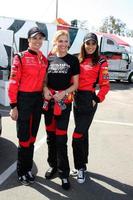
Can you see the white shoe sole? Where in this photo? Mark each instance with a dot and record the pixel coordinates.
(81, 180)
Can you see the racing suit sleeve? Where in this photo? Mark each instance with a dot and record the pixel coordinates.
(14, 81)
(103, 82)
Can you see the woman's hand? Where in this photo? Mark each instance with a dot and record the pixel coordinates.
(59, 95)
(47, 93)
(14, 114)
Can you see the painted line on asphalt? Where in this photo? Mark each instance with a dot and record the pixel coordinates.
(9, 171)
(109, 122)
(109, 187)
(112, 122)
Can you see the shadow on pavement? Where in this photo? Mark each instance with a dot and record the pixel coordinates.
(96, 187)
(92, 189)
(8, 153)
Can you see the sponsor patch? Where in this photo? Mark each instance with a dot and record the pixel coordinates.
(105, 76)
(104, 67)
(105, 72)
(12, 75)
(12, 81)
(105, 82)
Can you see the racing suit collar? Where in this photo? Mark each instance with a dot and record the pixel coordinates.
(32, 52)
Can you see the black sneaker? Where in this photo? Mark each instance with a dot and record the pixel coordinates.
(65, 183)
(50, 172)
(23, 180)
(81, 176)
(30, 177)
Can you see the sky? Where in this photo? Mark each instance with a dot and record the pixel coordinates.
(94, 11)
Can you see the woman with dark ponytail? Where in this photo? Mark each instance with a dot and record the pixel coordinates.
(93, 71)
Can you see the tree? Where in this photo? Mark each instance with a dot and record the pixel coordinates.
(129, 33)
(112, 25)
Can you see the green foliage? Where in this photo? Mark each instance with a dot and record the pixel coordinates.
(130, 33)
(110, 25)
(113, 25)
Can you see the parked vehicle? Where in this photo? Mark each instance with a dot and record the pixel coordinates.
(120, 64)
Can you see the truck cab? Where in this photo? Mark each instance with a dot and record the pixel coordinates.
(119, 62)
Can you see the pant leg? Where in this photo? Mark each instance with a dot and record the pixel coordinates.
(61, 142)
(31, 153)
(36, 115)
(24, 161)
(86, 147)
(27, 127)
(83, 115)
(50, 124)
(34, 126)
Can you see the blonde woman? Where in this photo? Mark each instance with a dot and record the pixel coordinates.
(62, 81)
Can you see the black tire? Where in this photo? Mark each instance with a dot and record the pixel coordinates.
(130, 79)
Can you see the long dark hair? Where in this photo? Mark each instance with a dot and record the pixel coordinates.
(95, 56)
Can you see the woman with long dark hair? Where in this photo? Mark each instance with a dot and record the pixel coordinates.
(93, 71)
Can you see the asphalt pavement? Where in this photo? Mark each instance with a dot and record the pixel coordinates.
(109, 173)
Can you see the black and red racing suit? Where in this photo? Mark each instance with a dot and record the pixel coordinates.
(25, 91)
(61, 70)
(84, 109)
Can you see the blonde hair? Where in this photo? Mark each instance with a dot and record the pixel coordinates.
(56, 38)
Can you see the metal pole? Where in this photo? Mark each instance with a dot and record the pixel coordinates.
(56, 9)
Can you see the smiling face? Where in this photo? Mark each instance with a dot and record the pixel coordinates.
(90, 46)
(62, 44)
(36, 42)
